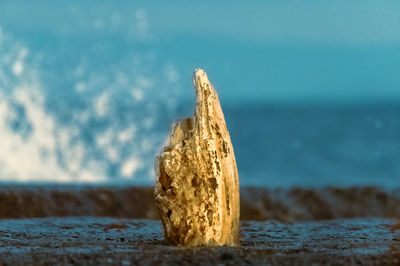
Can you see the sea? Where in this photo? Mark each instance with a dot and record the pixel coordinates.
(92, 102)
(89, 91)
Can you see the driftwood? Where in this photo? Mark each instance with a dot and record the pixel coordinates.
(197, 190)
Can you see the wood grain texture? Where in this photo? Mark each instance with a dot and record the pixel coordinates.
(197, 190)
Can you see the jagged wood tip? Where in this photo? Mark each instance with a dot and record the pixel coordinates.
(197, 186)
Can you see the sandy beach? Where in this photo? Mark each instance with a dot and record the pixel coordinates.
(92, 225)
(269, 128)
(295, 204)
(107, 241)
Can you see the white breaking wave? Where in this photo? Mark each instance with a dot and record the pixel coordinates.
(105, 128)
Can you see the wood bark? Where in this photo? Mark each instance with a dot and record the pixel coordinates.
(197, 186)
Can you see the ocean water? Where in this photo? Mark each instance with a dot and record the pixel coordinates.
(316, 145)
(78, 114)
(93, 101)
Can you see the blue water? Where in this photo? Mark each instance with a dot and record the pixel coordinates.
(317, 145)
(82, 112)
(91, 98)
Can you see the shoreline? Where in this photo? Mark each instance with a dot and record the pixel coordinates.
(256, 204)
(93, 225)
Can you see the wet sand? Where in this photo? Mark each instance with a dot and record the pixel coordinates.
(256, 204)
(105, 241)
(94, 225)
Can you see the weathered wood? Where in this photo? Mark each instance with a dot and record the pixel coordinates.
(197, 190)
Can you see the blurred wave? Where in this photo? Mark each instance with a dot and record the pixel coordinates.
(89, 91)
(78, 114)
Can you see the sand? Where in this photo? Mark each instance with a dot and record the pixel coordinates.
(256, 204)
(110, 241)
(67, 225)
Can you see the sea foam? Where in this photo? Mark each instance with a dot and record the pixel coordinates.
(91, 118)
